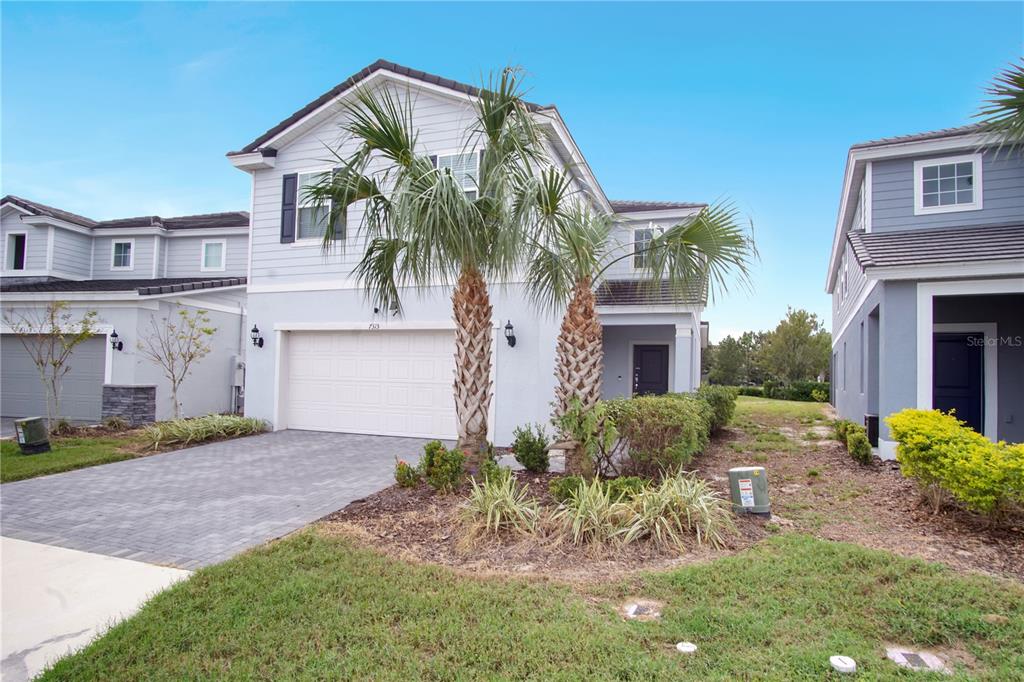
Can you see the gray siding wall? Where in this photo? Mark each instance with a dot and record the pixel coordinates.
(893, 194)
(72, 253)
(856, 283)
(851, 375)
(35, 242)
(142, 258)
(1007, 312)
(183, 256)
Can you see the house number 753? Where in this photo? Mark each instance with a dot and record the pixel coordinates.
(374, 325)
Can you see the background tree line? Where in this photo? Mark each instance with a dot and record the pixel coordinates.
(798, 349)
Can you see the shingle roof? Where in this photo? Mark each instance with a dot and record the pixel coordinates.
(186, 222)
(630, 206)
(144, 287)
(379, 65)
(637, 292)
(921, 137)
(49, 211)
(947, 245)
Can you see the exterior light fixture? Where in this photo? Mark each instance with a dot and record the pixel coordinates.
(257, 340)
(115, 342)
(510, 334)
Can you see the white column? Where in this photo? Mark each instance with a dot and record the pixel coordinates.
(683, 370)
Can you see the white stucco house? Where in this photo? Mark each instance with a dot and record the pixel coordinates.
(130, 271)
(330, 361)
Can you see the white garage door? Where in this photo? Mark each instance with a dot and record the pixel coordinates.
(396, 383)
(22, 393)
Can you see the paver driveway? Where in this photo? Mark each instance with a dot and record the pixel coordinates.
(202, 505)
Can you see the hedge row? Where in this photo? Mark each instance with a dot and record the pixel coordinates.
(803, 391)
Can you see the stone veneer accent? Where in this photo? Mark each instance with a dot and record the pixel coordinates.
(134, 404)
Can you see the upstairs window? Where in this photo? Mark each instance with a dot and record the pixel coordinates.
(121, 258)
(465, 168)
(947, 185)
(312, 220)
(16, 251)
(642, 238)
(213, 255)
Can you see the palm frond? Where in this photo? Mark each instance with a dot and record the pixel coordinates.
(380, 269)
(1003, 112)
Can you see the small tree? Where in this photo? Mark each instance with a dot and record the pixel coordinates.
(50, 335)
(729, 360)
(175, 344)
(800, 347)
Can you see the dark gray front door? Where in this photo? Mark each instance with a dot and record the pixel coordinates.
(650, 370)
(958, 377)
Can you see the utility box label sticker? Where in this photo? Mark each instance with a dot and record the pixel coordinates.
(746, 492)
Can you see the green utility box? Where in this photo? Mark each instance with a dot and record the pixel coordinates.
(748, 487)
(32, 434)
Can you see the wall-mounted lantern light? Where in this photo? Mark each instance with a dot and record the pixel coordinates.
(510, 334)
(257, 340)
(115, 342)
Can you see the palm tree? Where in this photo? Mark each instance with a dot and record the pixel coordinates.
(424, 227)
(1003, 113)
(574, 249)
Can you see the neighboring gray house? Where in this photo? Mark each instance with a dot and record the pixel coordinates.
(332, 362)
(927, 282)
(128, 271)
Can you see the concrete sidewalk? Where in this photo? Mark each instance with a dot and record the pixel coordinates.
(55, 601)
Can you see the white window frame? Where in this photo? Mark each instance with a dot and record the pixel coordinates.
(300, 204)
(844, 284)
(921, 164)
(8, 264)
(656, 231)
(223, 255)
(462, 152)
(131, 255)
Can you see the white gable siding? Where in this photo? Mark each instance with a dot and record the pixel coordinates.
(35, 242)
(622, 238)
(72, 252)
(184, 256)
(142, 258)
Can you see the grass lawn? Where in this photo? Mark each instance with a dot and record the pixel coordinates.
(773, 412)
(66, 454)
(314, 607)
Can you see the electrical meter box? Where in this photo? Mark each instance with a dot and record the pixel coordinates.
(748, 487)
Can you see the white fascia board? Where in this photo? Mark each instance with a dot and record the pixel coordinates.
(668, 213)
(252, 161)
(106, 296)
(46, 221)
(855, 163)
(1012, 268)
(562, 134)
(206, 232)
(15, 207)
(627, 309)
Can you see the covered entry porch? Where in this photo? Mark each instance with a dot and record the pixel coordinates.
(650, 352)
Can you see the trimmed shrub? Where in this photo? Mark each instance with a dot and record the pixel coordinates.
(116, 423)
(722, 400)
(940, 451)
(624, 488)
(659, 433)
(530, 448)
(500, 504)
(443, 469)
(858, 445)
(819, 396)
(595, 433)
(563, 487)
(406, 475)
(753, 391)
(841, 428)
(199, 429)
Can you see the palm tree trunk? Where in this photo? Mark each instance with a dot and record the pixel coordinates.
(473, 337)
(579, 360)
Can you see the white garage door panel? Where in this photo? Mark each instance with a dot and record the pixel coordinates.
(396, 383)
(22, 393)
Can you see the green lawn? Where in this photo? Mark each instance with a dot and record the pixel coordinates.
(767, 410)
(313, 607)
(66, 454)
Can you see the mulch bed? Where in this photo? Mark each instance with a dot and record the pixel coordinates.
(873, 506)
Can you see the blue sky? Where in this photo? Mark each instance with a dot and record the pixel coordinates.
(112, 110)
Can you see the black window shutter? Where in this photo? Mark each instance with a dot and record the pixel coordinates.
(433, 161)
(289, 194)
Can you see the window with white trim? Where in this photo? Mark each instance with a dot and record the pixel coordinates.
(16, 250)
(642, 238)
(312, 220)
(948, 184)
(214, 252)
(121, 256)
(465, 168)
(844, 279)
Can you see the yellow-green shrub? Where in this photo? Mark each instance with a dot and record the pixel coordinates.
(940, 451)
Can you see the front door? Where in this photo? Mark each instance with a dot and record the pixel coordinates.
(958, 377)
(650, 370)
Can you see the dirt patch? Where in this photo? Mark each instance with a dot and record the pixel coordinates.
(815, 488)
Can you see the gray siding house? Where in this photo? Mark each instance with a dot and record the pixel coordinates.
(332, 362)
(130, 271)
(927, 281)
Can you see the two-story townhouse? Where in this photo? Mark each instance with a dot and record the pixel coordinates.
(333, 362)
(927, 282)
(130, 271)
